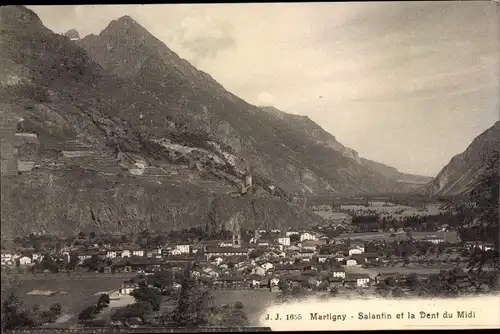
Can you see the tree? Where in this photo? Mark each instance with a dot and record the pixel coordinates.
(193, 307)
(390, 281)
(162, 280)
(92, 264)
(56, 308)
(334, 291)
(103, 301)
(146, 294)
(413, 282)
(48, 263)
(382, 289)
(14, 316)
(294, 238)
(87, 314)
(132, 312)
(237, 318)
(48, 317)
(397, 292)
(284, 286)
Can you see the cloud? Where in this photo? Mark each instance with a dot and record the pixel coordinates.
(205, 37)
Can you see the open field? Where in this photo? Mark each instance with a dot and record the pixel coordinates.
(397, 211)
(393, 270)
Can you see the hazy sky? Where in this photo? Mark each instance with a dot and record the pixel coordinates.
(409, 84)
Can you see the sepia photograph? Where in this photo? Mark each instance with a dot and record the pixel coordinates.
(250, 166)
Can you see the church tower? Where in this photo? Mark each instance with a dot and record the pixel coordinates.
(248, 180)
(236, 239)
(235, 229)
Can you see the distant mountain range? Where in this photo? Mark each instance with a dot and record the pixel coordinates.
(462, 172)
(131, 136)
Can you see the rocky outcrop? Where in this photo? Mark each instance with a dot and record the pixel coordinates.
(458, 177)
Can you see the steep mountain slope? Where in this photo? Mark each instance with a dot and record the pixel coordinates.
(103, 152)
(304, 126)
(294, 162)
(458, 177)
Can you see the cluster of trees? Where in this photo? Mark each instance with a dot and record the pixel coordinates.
(15, 315)
(194, 303)
(447, 283)
(88, 314)
(292, 290)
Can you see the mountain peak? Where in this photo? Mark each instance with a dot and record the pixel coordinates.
(18, 17)
(126, 20)
(126, 23)
(72, 34)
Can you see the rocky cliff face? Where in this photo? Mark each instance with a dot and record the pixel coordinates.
(458, 177)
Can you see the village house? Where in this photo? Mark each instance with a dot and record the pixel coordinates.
(433, 239)
(334, 282)
(351, 262)
(230, 281)
(111, 254)
(266, 265)
(290, 233)
(398, 278)
(356, 250)
(307, 236)
(138, 252)
(225, 251)
(366, 258)
(254, 281)
(127, 288)
(227, 243)
(305, 254)
(25, 260)
(258, 270)
(83, 256)
(285, 241)
(273, 282)
(338, 272)
(323, 258)
(340, 256)
(126, 253)
(264, 243)
(66, 255)
(7, 258)
(237, 260)
(357, 280)
(371, 257)
(312, 244)
(210, 272)
(216, 260)
(36, 257)
(482, 245)
(153, 253)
